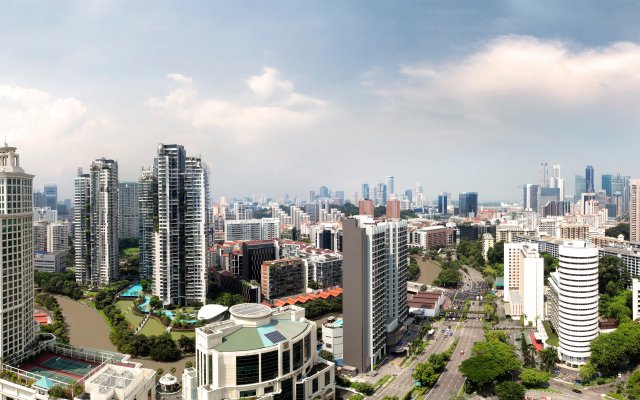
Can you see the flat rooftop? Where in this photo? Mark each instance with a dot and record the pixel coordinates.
(252, 338)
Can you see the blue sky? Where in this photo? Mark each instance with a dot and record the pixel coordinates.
(287, 96)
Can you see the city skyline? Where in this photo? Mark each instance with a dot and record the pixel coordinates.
(235, 85)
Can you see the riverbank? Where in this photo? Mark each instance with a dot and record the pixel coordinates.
(87, 328)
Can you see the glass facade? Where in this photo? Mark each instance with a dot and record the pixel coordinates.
(297, 355)
(269, 365)
(286, 361)
(247, 369)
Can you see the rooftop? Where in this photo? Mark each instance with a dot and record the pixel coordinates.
(252, 338)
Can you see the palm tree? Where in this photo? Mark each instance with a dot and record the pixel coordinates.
(549, 357)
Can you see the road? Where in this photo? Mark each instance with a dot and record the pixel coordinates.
(451, 379)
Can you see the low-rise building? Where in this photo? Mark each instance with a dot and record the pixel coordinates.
(426, 304)
(332, 339)
(284, 277)
(262, 353)
(49, 262)
(508, 233)
(434, 237)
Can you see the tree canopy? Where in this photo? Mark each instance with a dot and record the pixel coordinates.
(491, 360)
(612, 275)
(495, 255)
(510, 391)
(620, 229)
(531, 377)
(611, 352)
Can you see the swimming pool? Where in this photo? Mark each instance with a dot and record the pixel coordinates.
(144, 307)
(133, 291)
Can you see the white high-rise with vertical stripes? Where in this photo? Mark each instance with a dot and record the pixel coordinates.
(17, 325)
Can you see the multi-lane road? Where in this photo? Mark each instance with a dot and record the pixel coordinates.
(450, 380)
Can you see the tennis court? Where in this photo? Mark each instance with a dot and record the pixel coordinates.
(61, 368)
(74, 367)
(52, 374)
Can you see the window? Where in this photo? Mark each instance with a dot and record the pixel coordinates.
(247, 393)
(307, 347)
(286, 361)
(269, 363)
(247, 369)
(314, 385)
(297, 355)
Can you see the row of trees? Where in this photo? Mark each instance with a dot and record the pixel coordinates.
(107, 295)
(63, 283)
(57, 327)
(318, 308)
(414, 269)
(427, 373)
(159, 348)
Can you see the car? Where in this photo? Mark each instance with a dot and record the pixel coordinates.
(461, 352)
(619, 375)
(451, 334)
(576, 390)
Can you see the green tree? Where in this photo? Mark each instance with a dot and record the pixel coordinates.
(548, 358)
(510, 391)
(379, 211)
(188, 364)
(326, 355)
(495, 255)
(550, 264)
(531, 377)
(425, 374)
(587, 372)
(612, 275)
(620, 229)
(490, 361)
(497, 335)
(632, 388)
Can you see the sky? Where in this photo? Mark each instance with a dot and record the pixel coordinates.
(285, 96)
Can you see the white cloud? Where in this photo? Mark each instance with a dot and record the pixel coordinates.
(54, 135)
(514, 72)
(272, 104)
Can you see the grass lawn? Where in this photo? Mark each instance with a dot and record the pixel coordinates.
(153, 327)
(553, 338)
(131, 251)
(125, 307)
(176, 335)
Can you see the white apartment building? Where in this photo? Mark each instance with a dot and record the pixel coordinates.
(260, 352)
(129, 210)
(524, 282)
(45, 214)
(634, 210)
(58, 236)
(573, 301)
(252, 229)
(17, 327)
(40, 236)
(487, 243)
(49, 262)
(324, 268)
(630, 257)
(508, 233)
(180, 238)
(149, 224)
(635, 298)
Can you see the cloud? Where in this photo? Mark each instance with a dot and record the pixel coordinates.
(54, 135)
(512, 72)
(272, 104)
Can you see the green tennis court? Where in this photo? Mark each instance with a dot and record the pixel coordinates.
(53, 375)
(74, 367)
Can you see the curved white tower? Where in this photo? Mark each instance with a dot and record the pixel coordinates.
(576, 289)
